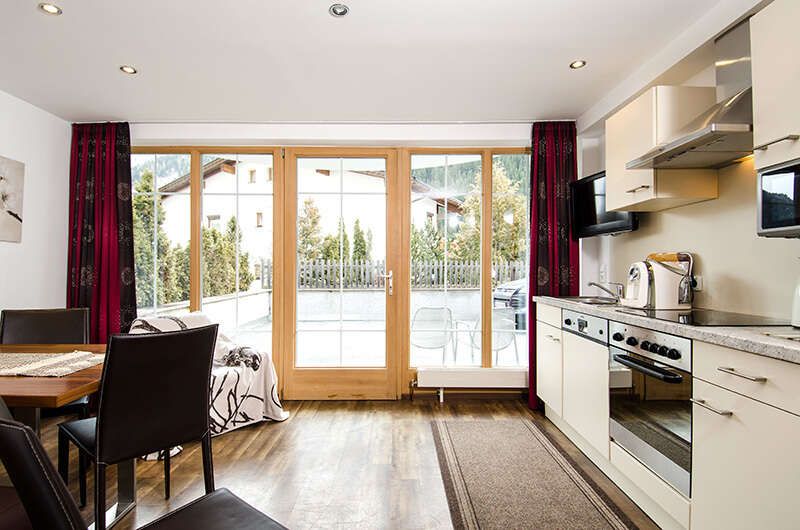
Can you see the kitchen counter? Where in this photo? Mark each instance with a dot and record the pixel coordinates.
(749, 339)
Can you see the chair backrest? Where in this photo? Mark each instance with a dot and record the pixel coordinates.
(44, 326)
(154, 392)
(431, 327)
(41, 490)
(504, 327)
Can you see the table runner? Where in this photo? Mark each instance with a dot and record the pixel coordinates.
(47, 364)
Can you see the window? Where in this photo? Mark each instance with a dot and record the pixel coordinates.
(236, 260)
(445, 260)
(161, 232)
(510, 244)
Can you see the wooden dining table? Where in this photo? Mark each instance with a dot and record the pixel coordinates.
(26, 396)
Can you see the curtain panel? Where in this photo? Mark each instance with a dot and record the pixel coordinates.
(100, 269)
(554, 252)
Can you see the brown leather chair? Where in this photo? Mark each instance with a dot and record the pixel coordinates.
(154, 394)
(50, 506)
(44, 326)
(48, 326)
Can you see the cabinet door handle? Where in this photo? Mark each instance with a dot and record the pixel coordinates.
(732, 371)
(637, 188)
(553, 338)
(702, 403)
(765, 146)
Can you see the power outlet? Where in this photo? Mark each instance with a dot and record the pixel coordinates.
(603, 273)
(698, 283)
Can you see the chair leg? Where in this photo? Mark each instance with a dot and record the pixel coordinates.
(63, 456)
(99, 496)
(208, 463)
(167, 451)
(82, 464)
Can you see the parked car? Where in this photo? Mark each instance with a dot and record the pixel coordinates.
(513, 294)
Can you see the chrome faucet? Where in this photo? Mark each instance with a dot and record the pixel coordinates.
(616, 295)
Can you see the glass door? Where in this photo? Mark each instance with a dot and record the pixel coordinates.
(341, 275)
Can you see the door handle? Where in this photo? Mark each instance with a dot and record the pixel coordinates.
(702, 403)
(637, 188)
(389, 281)
(765, 146)
(733, 371)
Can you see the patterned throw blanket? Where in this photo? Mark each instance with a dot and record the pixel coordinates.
(243, 381)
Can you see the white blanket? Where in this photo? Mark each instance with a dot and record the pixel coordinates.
(243, 381)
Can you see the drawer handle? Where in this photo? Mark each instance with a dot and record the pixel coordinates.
(732, 371)
(637, 188)
(765, 146)
(702, 403)
(553, 338)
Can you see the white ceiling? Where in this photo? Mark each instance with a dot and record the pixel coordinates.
(288, 60)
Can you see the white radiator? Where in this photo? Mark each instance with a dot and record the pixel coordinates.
(455, 377)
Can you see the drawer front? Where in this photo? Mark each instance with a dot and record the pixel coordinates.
(549, 365)
(548, 314)
(776, 381)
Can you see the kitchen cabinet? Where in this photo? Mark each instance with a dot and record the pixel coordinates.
(744, 462)
(585, 393)
(653, 119)
(549, 365)
(776, 108)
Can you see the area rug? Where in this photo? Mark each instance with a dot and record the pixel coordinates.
(47, 364)
(509, 474)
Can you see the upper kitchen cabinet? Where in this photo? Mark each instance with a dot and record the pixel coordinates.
(653, 119)
(776, 71)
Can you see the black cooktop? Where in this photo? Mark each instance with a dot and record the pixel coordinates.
(705, 317)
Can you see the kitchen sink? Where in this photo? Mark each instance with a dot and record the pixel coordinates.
(592, 300)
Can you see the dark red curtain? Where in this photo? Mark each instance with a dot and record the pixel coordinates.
(554, 253)
(100, 273)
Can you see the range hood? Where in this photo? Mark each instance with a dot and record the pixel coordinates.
(724, 132)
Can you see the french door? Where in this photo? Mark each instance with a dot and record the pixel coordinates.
(342, 278)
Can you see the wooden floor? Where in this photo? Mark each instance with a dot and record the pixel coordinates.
(354, 464)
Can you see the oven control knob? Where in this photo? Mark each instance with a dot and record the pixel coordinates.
(654, 347)
(674, 354)
(568, 322)
(663, 350)
(632, 341)
(645, 345)
(617, 336)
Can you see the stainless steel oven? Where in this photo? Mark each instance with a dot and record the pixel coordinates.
(650, 394)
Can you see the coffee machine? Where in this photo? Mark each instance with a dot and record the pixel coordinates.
(663, 280)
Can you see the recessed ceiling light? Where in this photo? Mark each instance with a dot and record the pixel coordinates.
(128, 69)
(338, 10)
(580, 63)
(49, 9)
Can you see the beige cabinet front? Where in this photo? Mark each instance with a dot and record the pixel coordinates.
(745, 463)
(653, 119)
(549, 365)
(585, 401)
(776, 71)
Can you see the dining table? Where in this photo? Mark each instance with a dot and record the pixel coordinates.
(26, 396)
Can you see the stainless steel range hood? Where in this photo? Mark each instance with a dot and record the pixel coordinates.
(724, 132)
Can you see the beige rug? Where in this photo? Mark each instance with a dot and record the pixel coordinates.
(509, 474)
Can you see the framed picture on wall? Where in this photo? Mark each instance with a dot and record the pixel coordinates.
(12, 177)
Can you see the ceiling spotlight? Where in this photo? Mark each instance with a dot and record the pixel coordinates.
(49, 9)
(128, 69)
(580, 63)
(338, 10)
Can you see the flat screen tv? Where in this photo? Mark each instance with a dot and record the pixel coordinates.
(589, 215)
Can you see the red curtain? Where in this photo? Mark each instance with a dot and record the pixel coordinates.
(554, 253)
(100, 270)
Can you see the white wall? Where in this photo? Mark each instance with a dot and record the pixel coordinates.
(33, 273)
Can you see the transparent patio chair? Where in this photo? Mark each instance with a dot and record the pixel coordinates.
(431, 329)
(504, 329)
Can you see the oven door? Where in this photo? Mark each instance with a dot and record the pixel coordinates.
(651, 416)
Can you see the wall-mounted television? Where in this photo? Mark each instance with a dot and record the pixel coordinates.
(589, 215)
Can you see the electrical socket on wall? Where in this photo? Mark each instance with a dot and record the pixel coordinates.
(698, 283)
(603, 277)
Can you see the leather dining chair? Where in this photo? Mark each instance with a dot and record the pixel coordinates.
(50, 506)
(48, 326)
(154, 394)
